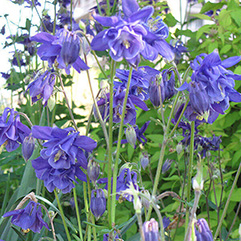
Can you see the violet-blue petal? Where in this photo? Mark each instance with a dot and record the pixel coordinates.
(229, 62)
(106, 21)
(130, 7)
(41, 132)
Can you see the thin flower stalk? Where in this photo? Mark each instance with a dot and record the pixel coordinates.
(102, 123)
(113, 206)
(227, 202)
(113, 66)
(77, 214)
(190, 164)
(62, 215)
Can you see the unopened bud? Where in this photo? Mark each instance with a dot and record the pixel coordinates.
(144, 159)
(28, 147)
(145, 198)
(197, 182)
(131, 135)
(93, 170)
(166, 166)
(97, 203)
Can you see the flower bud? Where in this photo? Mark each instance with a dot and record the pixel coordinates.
(93, 170)
(70, 49)
(166, 166)
(145, 201)
(144, 160)
(131, 135)
(203, 233)
(97, 203)
(197, 181)
(151, 230)
(28, 147)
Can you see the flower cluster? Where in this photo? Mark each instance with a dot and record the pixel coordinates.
(63, 154)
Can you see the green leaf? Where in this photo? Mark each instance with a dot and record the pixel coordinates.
(170, 20)
(212, 46)
(236, 16)
(204, 29)
(225, 49)
(201, 16)
(211, 6)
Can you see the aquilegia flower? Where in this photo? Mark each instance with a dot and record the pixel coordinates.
(203, 232)
(42, 87)
(54, 48)
(63, 154)
(28, 218)
(216, 86)
(12, 131)
(97, 203)
(131, 36)
(163, 89)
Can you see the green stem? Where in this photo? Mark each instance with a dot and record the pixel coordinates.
(113, 206)
(67, 102)
(86, 207)
(162, 153)
(62, 215)
(77, 214)
(227, 202)
(179, 118)
(71, 14)
(91, 215)
(194, 209)
(102, 123)
(109, 166)
(108, 7)
(190, 164)
(55, 19)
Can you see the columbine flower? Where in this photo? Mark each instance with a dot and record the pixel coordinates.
(140, 80)
(210, 73)
(51, 49)
(130, 36)
(65, 151)
(151, 230)
(42, 87)
(124, 179)
(162, 90)
(98, 203)
(203, 232)
(12, 131)
(28, 218)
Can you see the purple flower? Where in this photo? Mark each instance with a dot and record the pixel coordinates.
(144, 159)
(210, 73)
(28, 44)
(116, 237)
(12, 131)
(130, 36)
(163, 89)
(93, 170)
(124, 180)
(28, 218)
(97, 203)
(42, 87)
(151, 230)
(51, 49)
(203, 233)
(140, 79)
(63, 154)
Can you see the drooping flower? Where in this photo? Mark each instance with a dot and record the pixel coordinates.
(116, 237)
(140, 80)
(151, 230)
(42, 87)
(163, 89)
(210, 72)
(125, 178)
(203, 233)
(63, 154)
(98, 203)
(144, 159)
(28, 218)
(12, 131)
(51, 49)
